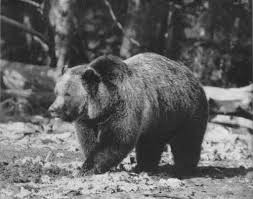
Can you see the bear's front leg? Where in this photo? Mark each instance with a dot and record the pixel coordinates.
(108, 157)
(88, 141)
(104, 149)
(88, 165)
(114, 147)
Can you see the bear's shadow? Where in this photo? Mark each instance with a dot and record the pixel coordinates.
(214, 172)
(206, 171)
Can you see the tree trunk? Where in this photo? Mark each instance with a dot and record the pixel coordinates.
(65, 17)
(146, 23)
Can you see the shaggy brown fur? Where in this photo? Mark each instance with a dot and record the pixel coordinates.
(146, 101)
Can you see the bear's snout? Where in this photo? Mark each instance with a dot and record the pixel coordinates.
(54, 111)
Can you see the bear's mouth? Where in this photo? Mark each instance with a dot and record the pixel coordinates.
(68, 117)
(54, 114)
(62, 116)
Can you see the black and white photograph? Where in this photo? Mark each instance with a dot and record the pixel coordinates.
(126, 99)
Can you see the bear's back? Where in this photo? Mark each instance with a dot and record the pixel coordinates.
(154, 67)
(170, 85)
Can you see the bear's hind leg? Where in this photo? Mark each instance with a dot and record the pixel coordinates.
(148, 153)
(186, 148)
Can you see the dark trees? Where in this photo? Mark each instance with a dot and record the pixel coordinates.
(213, 37)
(146, 23)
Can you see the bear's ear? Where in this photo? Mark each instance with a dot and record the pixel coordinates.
(110, 68)
(90, 76)
(91, 79)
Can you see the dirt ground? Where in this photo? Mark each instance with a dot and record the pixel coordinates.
(39, 159)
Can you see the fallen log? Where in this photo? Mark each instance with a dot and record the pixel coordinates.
(234, 122)
(16, 75)
(231, 101)
(26, 83)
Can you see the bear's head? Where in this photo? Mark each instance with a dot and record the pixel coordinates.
(88, 91)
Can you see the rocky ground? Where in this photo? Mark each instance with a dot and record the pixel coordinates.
(39, 159)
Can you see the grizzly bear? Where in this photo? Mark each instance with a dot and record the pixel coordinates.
(146, 101)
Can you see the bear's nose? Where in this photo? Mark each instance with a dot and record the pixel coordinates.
(53, 111)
